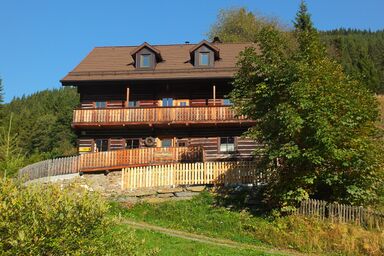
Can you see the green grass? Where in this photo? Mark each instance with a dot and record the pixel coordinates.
(168, 245)
(197, 216)
(202, 215)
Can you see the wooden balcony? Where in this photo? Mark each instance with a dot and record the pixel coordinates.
(157, 116)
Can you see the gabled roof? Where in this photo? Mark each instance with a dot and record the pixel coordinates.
(117, 63)
(148, 46)
(209, 45)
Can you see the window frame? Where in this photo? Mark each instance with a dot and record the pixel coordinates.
(132, 139)
(205, 54)
(167, 101)
(145, 56)
(96, 148)
(227, 151)
(133, 103)
(166, 139)
(197, 55)
(104, 102)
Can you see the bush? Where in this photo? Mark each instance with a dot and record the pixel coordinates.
(49, 220)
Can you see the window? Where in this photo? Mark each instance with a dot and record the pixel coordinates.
(167, 102)
(132, 143)
(227, 144)
(182, 103)
(181, 144)
(166, 143)
(133, 103)
(227, 102)
(204, 58)
(145, 60)
(101, 145)
(101, 104)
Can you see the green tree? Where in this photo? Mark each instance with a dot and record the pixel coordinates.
(11, 157)
(317, 124)
(43, 122)
(360, 52)
(240, 25)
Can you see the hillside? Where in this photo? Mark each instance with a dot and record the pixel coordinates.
(360, 52)
(43, 122)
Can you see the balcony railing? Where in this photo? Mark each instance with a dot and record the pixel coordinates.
(156, 115)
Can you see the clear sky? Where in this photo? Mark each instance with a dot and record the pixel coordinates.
(42, 40)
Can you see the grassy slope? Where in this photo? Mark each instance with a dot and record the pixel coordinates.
(167, 245)
(196, 216)
(201, 216)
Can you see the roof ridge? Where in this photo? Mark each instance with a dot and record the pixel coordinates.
(154, 45)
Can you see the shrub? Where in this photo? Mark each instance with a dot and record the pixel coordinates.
(49, 220)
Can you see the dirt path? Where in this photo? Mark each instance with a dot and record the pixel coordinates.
(205, 239)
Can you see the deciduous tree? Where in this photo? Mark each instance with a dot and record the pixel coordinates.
(318, 125)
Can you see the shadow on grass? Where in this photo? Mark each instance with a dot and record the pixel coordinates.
(239, 198)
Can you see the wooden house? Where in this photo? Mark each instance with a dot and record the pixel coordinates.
(160, 96)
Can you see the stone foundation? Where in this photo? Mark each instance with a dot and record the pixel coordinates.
(110, 186)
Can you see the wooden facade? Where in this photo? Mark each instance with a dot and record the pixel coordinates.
(177, 99)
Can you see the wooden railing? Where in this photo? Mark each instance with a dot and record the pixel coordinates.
(110, 160)
(342, 213)
(141, 156)
(156, 115)
(48, 168)
(192, 174)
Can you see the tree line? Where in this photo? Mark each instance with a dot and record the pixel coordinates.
(36, 127)
(360, 52)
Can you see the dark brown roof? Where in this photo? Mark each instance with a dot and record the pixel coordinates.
(116, 63)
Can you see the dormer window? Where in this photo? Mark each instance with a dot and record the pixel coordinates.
(204, 55)
(146, 57)
(145, 60)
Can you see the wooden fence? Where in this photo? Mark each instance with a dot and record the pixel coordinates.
(342, 213)
(110, 160)
(192, 174)
(52, 167)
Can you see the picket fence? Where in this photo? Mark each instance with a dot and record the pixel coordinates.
(192, 174)
(342, 213)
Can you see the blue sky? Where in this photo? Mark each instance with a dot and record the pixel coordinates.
(42, 40)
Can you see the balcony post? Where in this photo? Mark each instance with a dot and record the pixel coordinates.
(127, 101)
(214, 102)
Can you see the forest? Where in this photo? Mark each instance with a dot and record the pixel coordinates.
(41, 122)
